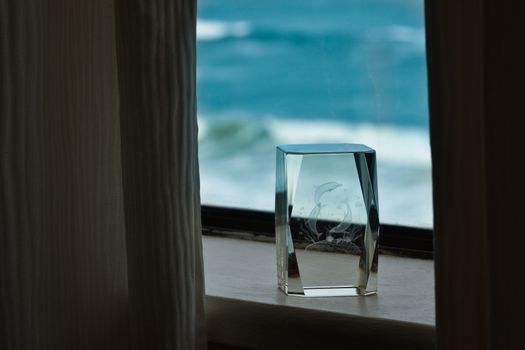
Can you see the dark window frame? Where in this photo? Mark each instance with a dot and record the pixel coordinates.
(397, 239)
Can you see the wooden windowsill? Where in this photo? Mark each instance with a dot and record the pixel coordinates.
(245, 308)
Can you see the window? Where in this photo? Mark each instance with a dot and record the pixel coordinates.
(311, 71)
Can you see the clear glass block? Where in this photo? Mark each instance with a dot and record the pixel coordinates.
(326, 220)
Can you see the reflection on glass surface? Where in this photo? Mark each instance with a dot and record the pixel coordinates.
(276, 72)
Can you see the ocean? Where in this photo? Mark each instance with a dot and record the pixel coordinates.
(275, 72)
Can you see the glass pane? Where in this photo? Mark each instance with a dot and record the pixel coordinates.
(273, 72)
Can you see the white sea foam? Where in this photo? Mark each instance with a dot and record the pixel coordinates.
(208, 30)
(237, 173)
(404, 146)
(395, 145)
(412, 35)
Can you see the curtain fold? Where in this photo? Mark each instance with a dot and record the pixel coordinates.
(475, 53)
(156, 62)
(99, 191)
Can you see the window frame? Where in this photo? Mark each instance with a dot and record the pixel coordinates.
(226, 221)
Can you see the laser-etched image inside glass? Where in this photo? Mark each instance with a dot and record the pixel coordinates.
(327, 222)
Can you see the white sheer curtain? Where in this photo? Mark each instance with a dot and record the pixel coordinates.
(100, 242)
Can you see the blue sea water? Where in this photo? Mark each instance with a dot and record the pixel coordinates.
(273, 72)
